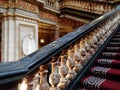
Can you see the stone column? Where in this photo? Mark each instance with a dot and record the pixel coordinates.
(56, 32)
(8, 39)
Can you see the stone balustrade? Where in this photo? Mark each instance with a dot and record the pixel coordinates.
(63, 67)
(52, 5)
(88, 6)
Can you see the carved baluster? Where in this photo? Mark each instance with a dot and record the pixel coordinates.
(54, 76)
(43, 78)
(82, 52)
(36, 82)
(95, 41)
(63, 70)
(100, 36)
(87, 48)
(70, 65)
(24, 84)
(92, 45)
(78, 65)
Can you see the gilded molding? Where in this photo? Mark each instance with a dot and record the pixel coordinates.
(75, 18)
(20, 18)
(3, 3)
(25, 19)
(27, 6)
(24, 13)
(3, 10)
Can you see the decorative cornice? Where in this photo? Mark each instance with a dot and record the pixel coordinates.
(26, 14)
(19, 18)
(48, 21)
(79, 13)
(3, 10)
(75, 18)
(25, 19)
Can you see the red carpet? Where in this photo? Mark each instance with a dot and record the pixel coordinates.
(105, 72)
(108, 63)
(110, 85)
(96, 83)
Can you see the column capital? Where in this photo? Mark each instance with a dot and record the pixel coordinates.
(57, 27)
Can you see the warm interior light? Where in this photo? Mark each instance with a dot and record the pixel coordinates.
(23, 85)
(37, 88)
(42, 41)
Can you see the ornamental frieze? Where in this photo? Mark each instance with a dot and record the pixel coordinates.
(27, 6)
(48, 16)
(3, 3)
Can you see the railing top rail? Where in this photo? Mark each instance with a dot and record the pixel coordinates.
(12, 71)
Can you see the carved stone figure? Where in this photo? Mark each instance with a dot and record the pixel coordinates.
(28, 44)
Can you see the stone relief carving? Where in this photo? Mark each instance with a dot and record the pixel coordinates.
(28, 44)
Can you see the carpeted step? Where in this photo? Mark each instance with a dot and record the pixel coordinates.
(82, 89)
(96, 83)
(115, 39)
(112, 49)
(104, 72)
(114, 44)
(108, 63)
(110, 55)
(117, 35)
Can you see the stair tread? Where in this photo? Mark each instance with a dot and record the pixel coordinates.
(106, 72)
(109, 63)
(113, 53)
(95, 83)
(113, 49)
(82, 89)
(110, 55)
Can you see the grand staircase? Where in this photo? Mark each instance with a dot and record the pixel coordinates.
(85, 59)
(104, 74)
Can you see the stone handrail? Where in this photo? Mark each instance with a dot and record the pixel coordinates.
(55, 65)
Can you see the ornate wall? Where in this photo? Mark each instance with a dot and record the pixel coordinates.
(18, 20)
